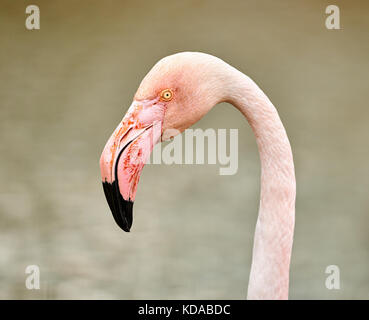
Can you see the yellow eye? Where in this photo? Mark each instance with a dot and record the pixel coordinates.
(166, 95)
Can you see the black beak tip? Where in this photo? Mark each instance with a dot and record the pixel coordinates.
(121, 209)
(125, 228)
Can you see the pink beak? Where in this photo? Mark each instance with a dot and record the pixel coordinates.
(125, 155)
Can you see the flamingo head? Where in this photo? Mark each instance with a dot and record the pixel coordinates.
(175, 94)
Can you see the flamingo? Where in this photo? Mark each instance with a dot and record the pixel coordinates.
(177, 92)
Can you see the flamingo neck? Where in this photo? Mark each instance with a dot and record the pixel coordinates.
(269, 276)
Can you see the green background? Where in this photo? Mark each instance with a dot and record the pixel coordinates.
(65, 87)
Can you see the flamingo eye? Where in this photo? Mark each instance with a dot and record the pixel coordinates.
(166, 95)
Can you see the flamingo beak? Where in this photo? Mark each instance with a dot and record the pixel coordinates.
(120, 208)
(124, 157)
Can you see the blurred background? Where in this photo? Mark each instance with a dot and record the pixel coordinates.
(65, 87)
